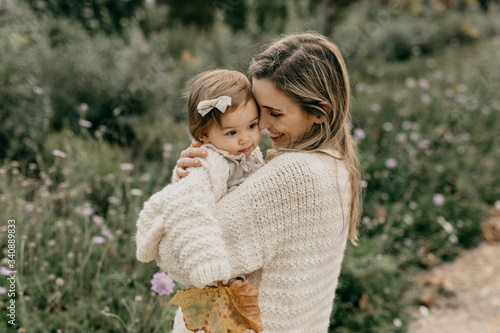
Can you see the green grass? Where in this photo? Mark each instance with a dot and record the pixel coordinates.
(426, 126)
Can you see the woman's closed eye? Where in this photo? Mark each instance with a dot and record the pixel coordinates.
(274, 114)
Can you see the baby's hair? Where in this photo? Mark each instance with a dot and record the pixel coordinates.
(210, 85)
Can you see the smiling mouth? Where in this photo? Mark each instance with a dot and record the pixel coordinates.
(245, 150)
(275, 135)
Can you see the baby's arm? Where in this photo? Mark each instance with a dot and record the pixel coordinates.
(177, 227)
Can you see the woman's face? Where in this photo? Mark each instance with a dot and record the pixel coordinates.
(280, 115)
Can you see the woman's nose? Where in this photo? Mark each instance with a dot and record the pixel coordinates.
(264, 121)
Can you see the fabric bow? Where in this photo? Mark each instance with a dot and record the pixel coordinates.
(221, 103)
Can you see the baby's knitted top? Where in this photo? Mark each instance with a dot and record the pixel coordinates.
(185, 210)
(285, 228)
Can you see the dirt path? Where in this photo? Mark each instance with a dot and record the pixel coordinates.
(462, 296)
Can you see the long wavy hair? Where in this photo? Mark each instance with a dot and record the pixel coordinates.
(310, 70)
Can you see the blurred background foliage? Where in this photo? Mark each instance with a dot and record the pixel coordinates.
(93, 120)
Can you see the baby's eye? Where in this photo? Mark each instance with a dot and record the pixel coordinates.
(231, 133)
(252, 126)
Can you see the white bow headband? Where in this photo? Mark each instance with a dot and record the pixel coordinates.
(221, 103)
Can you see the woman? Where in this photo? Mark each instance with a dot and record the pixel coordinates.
(285, 227)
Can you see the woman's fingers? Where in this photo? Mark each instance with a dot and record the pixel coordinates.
(181, 173)
(188, 159)
(195, 143)
(193, 152)
(187, 162)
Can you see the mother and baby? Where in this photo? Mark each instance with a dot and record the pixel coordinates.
(282, 224)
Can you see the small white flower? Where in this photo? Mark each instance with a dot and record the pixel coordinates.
(424, 84)
(58, 153)
(410, 82)
(375, 107)
(424, 311)
(388, 126)
(135, 192)
(37, 90)
(426, 99)
(146, 177)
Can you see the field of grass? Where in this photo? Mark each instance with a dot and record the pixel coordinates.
(427, 129)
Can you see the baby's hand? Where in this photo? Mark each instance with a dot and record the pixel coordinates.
(187, 159)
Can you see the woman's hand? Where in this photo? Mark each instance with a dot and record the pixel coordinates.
(187, 159)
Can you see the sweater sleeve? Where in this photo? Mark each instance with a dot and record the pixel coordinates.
(176, 227)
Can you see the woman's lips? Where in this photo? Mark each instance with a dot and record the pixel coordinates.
(276, 137)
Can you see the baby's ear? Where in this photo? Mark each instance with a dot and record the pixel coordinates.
(204, 138)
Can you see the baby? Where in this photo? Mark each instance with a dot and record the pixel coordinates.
(222, 113)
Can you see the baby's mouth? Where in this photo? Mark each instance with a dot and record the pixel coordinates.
(245, 150)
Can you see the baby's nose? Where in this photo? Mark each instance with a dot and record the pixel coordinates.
(244, 138)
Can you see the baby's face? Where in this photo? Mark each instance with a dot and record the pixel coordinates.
(239, 132)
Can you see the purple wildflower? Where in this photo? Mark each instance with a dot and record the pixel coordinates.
(4, 271)
(37, 90)
(97, 219)
(401, 137)
(146, 177)
(162, 284)
(113, 200)
(391, 163)
(438, 199)
(359, 134)
(3, 290)
(126, 166)
(168, 147)
(85, 123)
(108, 233)
(98, 240)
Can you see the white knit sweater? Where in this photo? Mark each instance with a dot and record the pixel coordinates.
(184, 210)
(285, 228)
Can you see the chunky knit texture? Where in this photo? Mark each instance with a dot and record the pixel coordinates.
(285, 229)
(185, 210)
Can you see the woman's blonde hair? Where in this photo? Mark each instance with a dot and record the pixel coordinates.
(210, 85)
(311, 71)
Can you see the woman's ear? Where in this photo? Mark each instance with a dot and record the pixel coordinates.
(325, 106)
